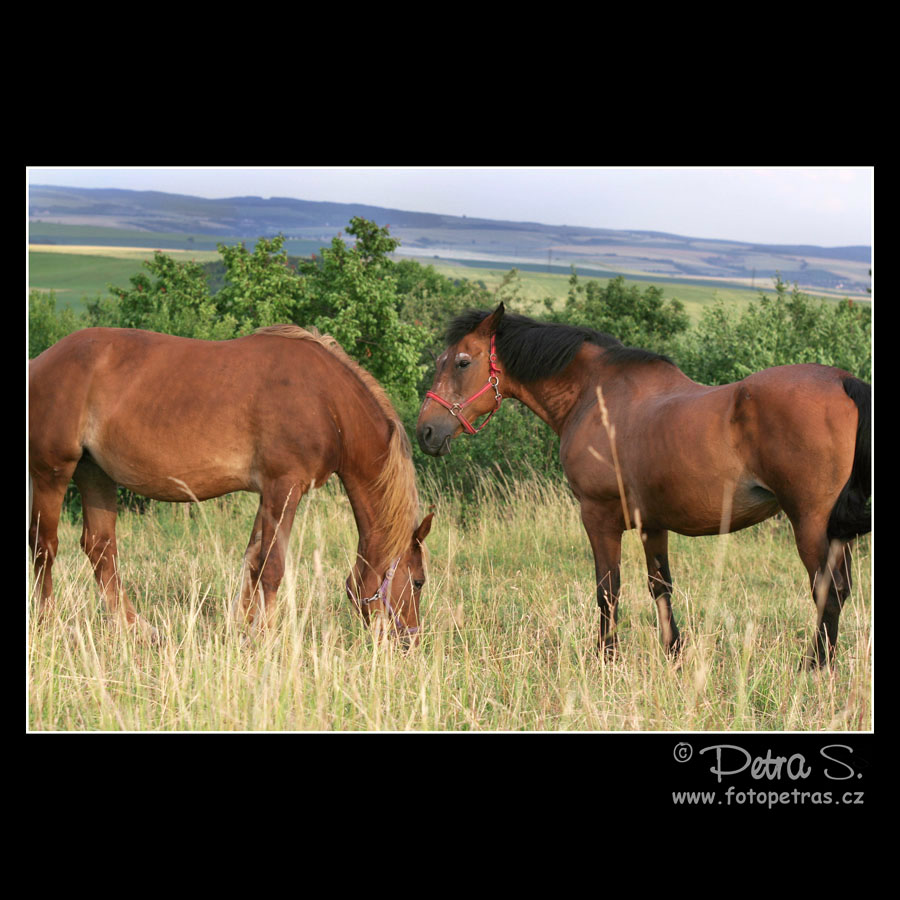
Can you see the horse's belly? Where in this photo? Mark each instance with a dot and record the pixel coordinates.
(173, 477)
(749, 504)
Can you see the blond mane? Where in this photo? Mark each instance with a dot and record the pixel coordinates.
(398, 496)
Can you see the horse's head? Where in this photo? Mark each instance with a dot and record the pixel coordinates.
(391, 598)
(466, 386)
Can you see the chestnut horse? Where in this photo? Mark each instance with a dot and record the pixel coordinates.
(643, 445)
(176, 419)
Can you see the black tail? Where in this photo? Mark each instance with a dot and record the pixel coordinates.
(852, 515)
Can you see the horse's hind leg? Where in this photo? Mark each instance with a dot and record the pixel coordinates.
(278, 508)
(98, 540)
(48, 489)
(264, 557)
(828, 565)
(656, 545)
(243, 608)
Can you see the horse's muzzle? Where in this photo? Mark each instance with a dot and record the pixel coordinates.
(435, 441)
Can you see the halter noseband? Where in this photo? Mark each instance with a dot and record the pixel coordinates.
(382, 594)
(455, 409)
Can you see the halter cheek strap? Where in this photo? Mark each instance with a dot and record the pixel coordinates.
(455, 409)
(383, 594)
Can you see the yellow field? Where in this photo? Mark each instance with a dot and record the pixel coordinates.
(141, 253)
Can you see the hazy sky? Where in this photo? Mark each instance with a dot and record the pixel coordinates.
(826, 206)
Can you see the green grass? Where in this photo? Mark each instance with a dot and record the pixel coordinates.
(508, 645)
(76, 278)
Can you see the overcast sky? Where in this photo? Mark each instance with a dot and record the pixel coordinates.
(825, 206)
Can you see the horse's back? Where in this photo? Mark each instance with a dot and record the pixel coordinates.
(156, 412)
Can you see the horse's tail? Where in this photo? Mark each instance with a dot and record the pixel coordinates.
(851, 514)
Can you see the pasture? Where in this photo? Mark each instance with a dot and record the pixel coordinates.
(533, 286)
(509, 608)
(508, 644)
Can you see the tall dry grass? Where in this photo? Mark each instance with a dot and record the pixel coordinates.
(508, 645)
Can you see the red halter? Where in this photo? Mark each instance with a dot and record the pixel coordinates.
(456, 409)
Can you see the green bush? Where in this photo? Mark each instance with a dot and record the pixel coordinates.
(637, 318)
(46, 323)
(788, 328)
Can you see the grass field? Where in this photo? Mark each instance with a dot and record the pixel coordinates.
(510, 610)
(533, 287)
(508, 645)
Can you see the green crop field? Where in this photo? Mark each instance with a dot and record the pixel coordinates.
(80, 273)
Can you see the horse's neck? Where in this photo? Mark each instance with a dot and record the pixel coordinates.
(553, 399)
(365, 442)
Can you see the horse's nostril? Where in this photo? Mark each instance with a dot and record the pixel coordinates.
(427, 431)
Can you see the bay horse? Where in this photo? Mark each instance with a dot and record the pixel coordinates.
(177, 419)
(641, 444)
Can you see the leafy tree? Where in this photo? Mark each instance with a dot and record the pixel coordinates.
(177, 302)
(262, 288)
(46, 323)
(431, 300)
(790, 327)
(351, 293)
(637, 318)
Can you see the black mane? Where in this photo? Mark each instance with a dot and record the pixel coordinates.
(530, 350)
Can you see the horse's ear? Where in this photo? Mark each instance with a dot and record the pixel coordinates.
(489, 325)
(422, 531)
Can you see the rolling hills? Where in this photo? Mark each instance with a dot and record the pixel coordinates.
(151, 219)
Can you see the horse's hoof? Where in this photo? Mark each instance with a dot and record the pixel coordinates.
(608, 650)
(675, 653)
(144, 632)
(812, 663)
(673, 650)
(150, 636)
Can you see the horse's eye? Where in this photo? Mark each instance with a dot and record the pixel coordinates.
(418, 584)
(463, 363)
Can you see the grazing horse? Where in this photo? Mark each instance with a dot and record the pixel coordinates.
(176, 419)
(642, 445)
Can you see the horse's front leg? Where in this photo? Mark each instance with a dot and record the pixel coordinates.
(656, 547)
(604, 528)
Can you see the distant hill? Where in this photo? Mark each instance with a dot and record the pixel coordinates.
(81, 215)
